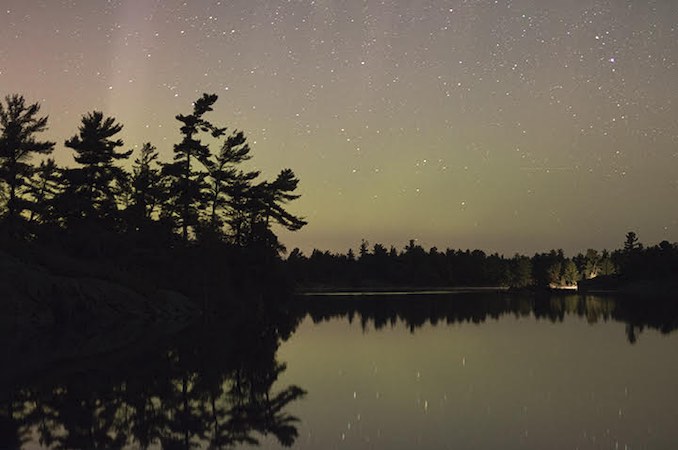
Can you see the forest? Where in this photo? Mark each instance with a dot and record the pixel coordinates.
(203, 223)
(413, 267)
(198, 222)
(201, 195)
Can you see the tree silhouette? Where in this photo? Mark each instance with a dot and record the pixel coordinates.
(265, 206)
(45, 185)
(630, 258)
(274, 196)
(19, 123)
(239, 204)
(228, 185)
(91, 188)
(186, 183)
(146, 185)
(520, 271)
(631, 243)
(130, 222)
(364, 249)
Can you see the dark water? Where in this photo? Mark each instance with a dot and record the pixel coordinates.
(458, 371)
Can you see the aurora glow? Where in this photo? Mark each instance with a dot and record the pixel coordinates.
(508, 125)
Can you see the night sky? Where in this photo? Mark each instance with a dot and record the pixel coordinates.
(508, 125)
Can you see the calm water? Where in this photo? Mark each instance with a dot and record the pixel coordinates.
(446, 372)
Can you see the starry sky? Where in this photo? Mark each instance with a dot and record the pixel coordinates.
(505, 125)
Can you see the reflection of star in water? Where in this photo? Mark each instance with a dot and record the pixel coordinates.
(547, 169)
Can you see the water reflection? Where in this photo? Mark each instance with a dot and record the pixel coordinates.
(509, 372)
(418, 310)
(207, 387)
(218, 385)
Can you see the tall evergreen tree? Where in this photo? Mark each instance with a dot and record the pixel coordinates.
(187, 185)
(631, 244)
(146, 186)
(239, 202)
(278, 194)
(44, 187)
(226, 180)
(19, 124)
(91, 188)
(266, 206)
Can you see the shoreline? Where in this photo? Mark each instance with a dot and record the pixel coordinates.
(396, 290)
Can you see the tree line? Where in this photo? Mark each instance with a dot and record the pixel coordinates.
(199, 195)
(199, 221)
(202, 216)
(375, 266)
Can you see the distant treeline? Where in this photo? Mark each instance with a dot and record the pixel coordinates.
(417, 267)
(201, 221)
(193, 220)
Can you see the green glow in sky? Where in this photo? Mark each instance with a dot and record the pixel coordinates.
(508, 125)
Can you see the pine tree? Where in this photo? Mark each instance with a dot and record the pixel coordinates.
(187, 185)
(280, 193)
(265, 206)
(43, 188)
(226, 181)
(90, 192)
(19, 123)
(240, 204)
(631, 243)
(146, 186)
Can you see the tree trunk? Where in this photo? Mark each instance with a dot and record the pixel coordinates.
(187, 177)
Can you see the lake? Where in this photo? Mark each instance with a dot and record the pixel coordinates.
(431, 372)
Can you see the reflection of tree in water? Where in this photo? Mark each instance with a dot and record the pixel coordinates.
(418, 310)
(207, 388)
(215, 386)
